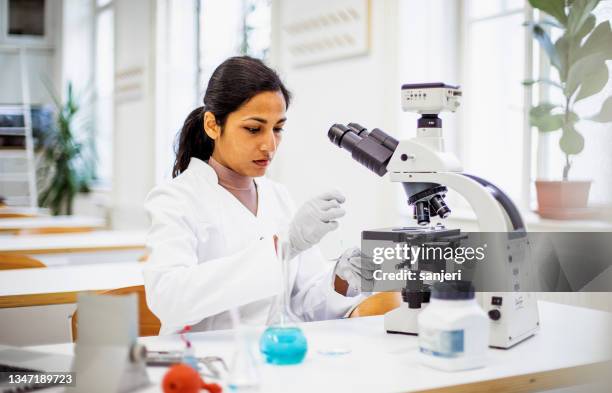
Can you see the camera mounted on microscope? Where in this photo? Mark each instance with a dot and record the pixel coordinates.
(430, 99)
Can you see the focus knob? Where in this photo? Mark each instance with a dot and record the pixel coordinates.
(494, 315)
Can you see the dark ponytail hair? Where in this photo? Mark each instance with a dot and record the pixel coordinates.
(233, 83)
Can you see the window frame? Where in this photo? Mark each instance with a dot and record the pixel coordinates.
(101, 183)
(529, 146)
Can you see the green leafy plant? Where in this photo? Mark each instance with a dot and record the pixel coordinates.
(67, 165)
(248, 45)
(579, 55)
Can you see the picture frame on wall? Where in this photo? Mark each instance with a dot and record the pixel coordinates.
(325, 32)
(26, 23)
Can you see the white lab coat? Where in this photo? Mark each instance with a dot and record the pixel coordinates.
(209, 253)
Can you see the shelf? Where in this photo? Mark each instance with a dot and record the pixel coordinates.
(14, 177)
(12, 109)
(30, 47)
(12, 131)
(13, 153)
(12, 201)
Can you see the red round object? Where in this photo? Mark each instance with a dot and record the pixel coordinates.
(212, 387)
(181, 378)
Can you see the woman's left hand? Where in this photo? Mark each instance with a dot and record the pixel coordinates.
(351, 269)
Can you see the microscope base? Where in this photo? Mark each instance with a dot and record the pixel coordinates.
(515, 324)
(403, 320)
(514, 317)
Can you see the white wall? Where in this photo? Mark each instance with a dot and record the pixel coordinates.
(134, 133)
(360, 89)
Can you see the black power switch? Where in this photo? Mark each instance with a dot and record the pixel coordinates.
(496, 300)
(494, 315)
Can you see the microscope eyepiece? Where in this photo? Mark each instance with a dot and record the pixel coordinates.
(358, 129)
(336, 133)
(371, 149)
(387, 141)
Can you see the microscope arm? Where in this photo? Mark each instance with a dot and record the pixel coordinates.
(504, 200)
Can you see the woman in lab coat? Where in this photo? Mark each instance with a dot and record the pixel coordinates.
(211, 240)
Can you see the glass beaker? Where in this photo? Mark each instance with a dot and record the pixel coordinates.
(283, 342)
(243, 373)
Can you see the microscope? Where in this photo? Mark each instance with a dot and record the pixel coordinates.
(426, 172)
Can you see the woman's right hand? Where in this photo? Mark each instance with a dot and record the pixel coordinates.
(315, 219)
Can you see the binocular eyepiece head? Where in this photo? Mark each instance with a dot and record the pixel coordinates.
(373, 149)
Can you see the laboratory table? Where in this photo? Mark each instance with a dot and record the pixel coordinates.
(19, 212)
(81, 223)
(72, 242)
(573, 346)
(28, 296)
(38, 287)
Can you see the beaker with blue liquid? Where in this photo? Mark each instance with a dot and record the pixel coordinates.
(283, 342)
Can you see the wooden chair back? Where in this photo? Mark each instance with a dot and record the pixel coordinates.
(4, 214)
(18, 261)
(52, 230)
(377, 304)
(148, 324)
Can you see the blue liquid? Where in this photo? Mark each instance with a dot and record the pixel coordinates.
(283, 345)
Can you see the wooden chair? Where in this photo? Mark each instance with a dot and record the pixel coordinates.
(144, 257)
(4, 214)
(52, 230)
(148, 324)
(377, 304)
(17, 261)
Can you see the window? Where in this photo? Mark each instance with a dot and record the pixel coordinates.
(104, 82)
(495, 142)
(256, 28)
(176, 84)
(595, 161)
(230, 28)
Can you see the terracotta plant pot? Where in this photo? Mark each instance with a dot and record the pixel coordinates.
(563, 199)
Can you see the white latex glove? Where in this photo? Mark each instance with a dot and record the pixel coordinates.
(351, 269)
(314, 220)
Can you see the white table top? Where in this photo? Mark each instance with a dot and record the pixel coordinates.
(72, 242)
(379, 362)
(71, 278)
(15, 224)
(30, 211)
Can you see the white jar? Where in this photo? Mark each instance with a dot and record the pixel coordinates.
(453, 329)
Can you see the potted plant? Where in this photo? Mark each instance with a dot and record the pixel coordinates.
(579, 56)
(66, 164)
